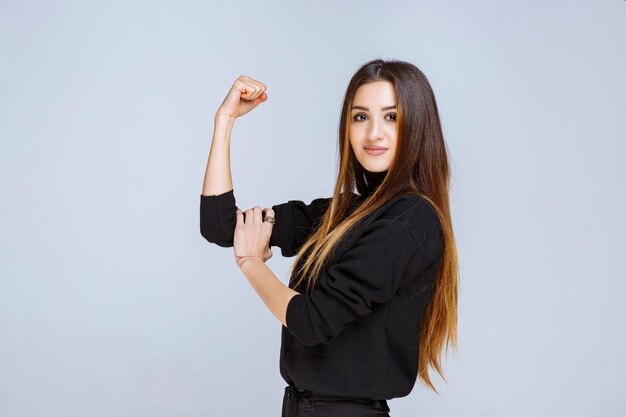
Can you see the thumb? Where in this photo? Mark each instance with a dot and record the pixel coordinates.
(260, 99)
(247, 105)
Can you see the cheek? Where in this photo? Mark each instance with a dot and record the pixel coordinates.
(353, 138)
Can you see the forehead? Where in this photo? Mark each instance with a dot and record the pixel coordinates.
(376, 94)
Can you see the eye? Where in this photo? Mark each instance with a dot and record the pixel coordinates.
(356, 117)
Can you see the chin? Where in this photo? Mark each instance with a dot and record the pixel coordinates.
(375, 167)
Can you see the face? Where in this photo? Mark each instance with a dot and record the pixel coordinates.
(373, 125)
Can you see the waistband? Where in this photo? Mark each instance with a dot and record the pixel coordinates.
(296, 392)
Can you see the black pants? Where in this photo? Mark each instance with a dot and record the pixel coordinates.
(303, 403)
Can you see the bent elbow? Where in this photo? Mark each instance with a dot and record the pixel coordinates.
(300, 323)
(217, 218)
(215, 235)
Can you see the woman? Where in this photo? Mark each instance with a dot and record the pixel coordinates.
(372, 297)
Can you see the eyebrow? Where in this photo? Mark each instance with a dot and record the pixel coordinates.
(366, 109)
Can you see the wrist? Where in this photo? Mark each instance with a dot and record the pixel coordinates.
(242, 260)
(223, 118)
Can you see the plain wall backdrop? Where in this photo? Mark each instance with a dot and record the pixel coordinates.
(111, 302)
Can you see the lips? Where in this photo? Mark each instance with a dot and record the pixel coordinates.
(375, 150)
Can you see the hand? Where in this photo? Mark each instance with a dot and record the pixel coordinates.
(252, 235)
(245, 94)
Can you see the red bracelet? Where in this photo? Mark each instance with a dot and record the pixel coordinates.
(246, 256)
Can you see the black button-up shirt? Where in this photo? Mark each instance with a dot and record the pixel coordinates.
(356, 334)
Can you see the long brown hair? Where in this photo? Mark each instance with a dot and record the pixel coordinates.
(420, 166)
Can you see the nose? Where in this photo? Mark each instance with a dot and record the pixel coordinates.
(375, 129)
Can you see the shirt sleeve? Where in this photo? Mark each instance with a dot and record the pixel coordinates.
(295, 220)
(217, 218)
(370, 272)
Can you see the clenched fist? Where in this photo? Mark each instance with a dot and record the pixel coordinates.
(245, 94)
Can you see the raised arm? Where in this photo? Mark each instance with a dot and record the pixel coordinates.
(217, 176)
(294, 219)
(244, 95)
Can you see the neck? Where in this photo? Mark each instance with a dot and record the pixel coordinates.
(374, 179)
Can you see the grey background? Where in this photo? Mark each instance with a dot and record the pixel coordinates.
(112, 304)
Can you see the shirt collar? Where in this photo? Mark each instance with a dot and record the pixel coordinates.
(373, 180)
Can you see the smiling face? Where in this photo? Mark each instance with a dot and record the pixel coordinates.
(373, 125)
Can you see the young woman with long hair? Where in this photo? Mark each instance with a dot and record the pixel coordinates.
(371, 303)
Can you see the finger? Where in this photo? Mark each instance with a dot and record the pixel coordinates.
(255, 94)
(254, 80)
(262, 97)
(247, 90)
(260, 91)
(259, 88)
(239, 215)
(268, 212)
(252, 90)
(257, 215)
(249, 215)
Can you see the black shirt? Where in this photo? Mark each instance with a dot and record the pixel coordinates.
(357, 333)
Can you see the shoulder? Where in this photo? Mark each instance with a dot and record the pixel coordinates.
(419, 220)
(408, 207)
